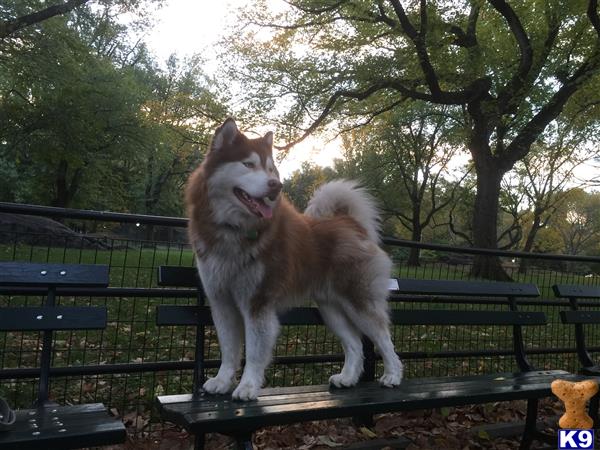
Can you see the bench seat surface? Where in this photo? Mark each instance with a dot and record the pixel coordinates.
(218, 413)
(84, 426)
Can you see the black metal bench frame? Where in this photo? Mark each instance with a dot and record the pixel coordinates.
(201, 413)
(48, 425)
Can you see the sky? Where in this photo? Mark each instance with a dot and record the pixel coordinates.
(188, 27)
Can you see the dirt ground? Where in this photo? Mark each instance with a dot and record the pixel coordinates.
(447, 428)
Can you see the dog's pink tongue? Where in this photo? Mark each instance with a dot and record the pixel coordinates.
(265, 210)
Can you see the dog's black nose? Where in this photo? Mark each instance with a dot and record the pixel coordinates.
(274, 184)
(274, 188)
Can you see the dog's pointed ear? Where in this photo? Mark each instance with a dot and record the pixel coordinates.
(268, 138)
(224, 135)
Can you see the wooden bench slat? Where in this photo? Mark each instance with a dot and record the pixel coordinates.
(580, 317)
(176, 276)
(279, 396)
(576, 291)
(87, 425)
(194, 315)
(183, 315)
(190, 315)
(366, 398)
(467, 288)
(427, 381)
(453, 317)
(42, 274)
(28, 318)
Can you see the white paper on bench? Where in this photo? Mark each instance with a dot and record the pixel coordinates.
(393, 284)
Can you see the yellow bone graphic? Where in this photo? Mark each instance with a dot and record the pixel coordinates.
(575, 397)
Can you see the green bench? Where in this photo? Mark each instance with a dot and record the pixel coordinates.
(47, 425)
(200, 413)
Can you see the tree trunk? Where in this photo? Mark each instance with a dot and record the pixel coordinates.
(485, 222)
(416, 234)
(535, 227)
(65, 190)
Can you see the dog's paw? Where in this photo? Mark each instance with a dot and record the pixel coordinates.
(391, 379)
(218, 385)
(245, 392)
(342, 381)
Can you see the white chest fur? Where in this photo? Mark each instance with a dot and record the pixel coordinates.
(227, 272)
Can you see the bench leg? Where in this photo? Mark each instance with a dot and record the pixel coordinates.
(364, 420)
(244, 441)
(530, 431)
(199, 441)
(593, 410)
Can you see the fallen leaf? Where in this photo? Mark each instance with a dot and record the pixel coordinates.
(368, 433)
(326, 440)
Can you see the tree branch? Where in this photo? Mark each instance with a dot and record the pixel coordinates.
(518, 148)
(592, 13)
(9, 27)
(340, 94)
(418, 40)
(526, 52)
(322, 10)
(455, 231)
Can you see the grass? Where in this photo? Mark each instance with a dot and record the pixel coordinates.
(132, 336)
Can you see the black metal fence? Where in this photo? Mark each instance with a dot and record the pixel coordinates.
(133, 360)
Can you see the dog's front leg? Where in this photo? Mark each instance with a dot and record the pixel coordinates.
(229, 325)
(261, 329)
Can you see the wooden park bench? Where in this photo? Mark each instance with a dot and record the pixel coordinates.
(47, 425)
(201, 413)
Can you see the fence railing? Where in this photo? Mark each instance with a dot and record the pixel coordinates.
(133, 360)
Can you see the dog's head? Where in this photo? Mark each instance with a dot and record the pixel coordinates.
(243, 182)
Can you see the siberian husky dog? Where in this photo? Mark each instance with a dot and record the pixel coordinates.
(257, 256)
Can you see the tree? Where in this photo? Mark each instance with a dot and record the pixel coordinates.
(578, 222)
(302, 183)
(67, 111)
(404, 157)
(513, 68)
(88, 119)
(183, 111)
(29, 13)
(544, 175)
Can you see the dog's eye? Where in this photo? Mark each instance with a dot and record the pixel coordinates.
(249, 165)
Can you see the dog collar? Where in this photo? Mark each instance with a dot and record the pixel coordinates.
(7, 416)
(252, 235)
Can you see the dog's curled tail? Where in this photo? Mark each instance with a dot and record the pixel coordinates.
(346, 197)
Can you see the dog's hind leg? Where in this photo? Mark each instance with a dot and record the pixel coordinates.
(261, 330)
(350, 337)
(373, 321)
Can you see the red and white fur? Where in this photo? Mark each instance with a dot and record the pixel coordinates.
(257, 255)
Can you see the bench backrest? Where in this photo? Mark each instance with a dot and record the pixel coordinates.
(577, 317)
(47, 318)
(467, 288)
(576, 291)
(35, 274)
(50, 317)
(199, 315)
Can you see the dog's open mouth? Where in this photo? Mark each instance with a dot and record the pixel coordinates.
(256, 206)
